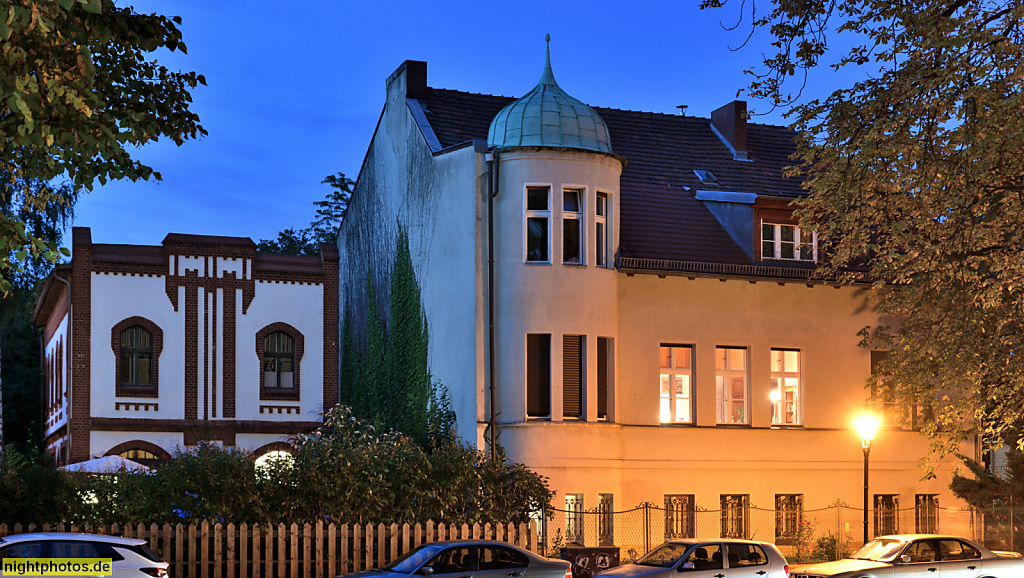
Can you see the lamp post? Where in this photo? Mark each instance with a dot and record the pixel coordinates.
(866, 426)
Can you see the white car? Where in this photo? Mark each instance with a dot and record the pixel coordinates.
(919, 555)
(711, 558)
(129, 556)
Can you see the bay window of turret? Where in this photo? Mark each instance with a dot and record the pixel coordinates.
(572, 226)
(538, 215)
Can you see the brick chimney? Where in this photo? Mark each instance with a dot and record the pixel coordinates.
(411, 78)
(730, 124)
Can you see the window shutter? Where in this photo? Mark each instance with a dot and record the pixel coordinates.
(538, 375)
(572, 375)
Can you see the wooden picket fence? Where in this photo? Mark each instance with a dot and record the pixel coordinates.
(280, 551)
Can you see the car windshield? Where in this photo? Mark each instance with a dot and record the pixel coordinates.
(665, 555)
(879, 550)
(408, 563)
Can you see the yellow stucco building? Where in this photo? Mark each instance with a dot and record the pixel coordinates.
(624, 302)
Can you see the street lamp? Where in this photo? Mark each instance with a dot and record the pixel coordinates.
(866, 426)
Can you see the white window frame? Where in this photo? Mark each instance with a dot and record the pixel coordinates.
(671, 398)
(579, 216)
(536, 214)
(786, 380)
(776, 242)
(602, 229)
(724, 377)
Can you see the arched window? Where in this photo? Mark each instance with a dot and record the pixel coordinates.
(137, 343)
(279, 361)
(279, 348)
(136, 357)
(143, 452)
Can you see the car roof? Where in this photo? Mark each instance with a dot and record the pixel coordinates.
(920, 536)
(730, 540)
(51, 536)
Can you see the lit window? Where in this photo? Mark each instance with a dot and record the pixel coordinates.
(278, 361)
(572, 231)
(785, 393)
(788, 242)
(136, 356)
(731, 385)
(538, 211)
(676, 377)
(601, 230)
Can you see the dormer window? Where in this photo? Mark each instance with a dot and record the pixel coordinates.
(788, 242)
(706, 177)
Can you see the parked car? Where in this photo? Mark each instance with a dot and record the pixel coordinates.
(712, 558)
(919, 555)
(129, 556)
(471, 558)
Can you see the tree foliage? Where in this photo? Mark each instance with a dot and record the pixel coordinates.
(916, 176)
(78, 91)
(323, 229)
(20, 366)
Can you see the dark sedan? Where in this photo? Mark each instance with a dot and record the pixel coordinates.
(471, 559)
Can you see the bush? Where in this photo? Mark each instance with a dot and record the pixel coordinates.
(347, 471)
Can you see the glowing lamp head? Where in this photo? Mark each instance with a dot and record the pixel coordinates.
(866, 426)
(775, 395)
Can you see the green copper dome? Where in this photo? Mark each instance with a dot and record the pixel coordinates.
(548, 117)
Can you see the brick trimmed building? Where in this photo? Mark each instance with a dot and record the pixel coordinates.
(148, 348)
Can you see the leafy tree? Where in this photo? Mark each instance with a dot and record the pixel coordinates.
(78, 92)
(323, 229)
(917, 187)
(20, 367)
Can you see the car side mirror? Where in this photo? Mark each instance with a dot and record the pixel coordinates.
(906, 559)
(686, 566)
(426, 571)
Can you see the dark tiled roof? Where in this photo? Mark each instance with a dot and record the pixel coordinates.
(660, 218)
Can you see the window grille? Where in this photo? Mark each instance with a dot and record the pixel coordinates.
(606, 519)
(735, 513)
(679, 516)
(574, 519)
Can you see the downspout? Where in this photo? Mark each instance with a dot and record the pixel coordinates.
(67, 374)
(492, 191)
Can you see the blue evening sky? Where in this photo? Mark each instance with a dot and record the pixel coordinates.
(295, 90)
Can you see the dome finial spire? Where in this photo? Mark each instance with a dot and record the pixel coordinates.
(547, 77)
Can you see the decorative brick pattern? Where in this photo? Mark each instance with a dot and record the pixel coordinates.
(81, 336)
(332, 325)
(135, 406)
(279, 409)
